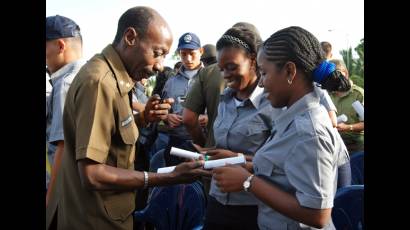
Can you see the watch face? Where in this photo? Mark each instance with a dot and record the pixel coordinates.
(246, 184)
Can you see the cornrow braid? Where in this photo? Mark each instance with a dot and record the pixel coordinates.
(301, 47)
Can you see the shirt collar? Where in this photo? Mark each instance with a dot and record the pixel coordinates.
(307, 102)
(124, 81)
(254, 98)
(182, 70)
(70, 67)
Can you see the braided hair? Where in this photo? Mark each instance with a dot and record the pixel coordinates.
(301, 47)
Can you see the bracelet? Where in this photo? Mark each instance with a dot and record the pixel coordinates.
(351, 127)
(145, 180)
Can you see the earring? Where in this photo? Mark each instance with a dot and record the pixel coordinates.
(289, 82)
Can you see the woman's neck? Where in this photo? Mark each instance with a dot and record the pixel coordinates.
(247, 91)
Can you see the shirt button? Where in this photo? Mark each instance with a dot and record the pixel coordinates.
(121, 82)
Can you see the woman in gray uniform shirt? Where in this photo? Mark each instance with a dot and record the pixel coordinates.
(296, 169)
(242, 125)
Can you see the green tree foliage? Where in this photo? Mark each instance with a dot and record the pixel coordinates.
(355, 65)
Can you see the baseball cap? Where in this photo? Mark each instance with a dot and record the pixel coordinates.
(189, 41)
(61, 27)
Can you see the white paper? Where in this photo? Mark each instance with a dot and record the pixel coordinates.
(341, 118)
(184, 153)
(222, 162)
(358, 107)
(211, 163)
(166, 169)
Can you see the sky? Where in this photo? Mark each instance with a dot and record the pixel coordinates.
(341, 22)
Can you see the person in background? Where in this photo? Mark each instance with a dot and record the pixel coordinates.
(294, 172)
(209, 56)
(327, 48)
(352, 131)
(64, 50)
(177, 87)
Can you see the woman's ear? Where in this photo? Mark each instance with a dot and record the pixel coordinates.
(290, 69)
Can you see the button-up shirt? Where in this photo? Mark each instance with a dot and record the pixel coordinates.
(243, 128)
(301, 157)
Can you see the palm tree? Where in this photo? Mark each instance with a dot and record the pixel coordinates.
(355, 66)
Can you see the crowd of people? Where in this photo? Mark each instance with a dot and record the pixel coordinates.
(276, 101)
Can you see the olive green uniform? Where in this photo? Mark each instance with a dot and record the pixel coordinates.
(205, 94)
(98, 125)
(354, 141)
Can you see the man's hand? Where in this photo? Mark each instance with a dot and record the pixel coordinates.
(203, 120)
(155, 110)
(188, 172)
(230, 178)
(174, 120)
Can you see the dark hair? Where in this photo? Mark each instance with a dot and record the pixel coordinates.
(326, 47)
(250, 37)
(246, 25)
(161, 79)
(209, 60)
(301, 47)
(138, 18)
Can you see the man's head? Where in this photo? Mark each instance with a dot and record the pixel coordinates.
(327, 48)
(143, 39)
(63, 42)
(209, 55)
(190, 50)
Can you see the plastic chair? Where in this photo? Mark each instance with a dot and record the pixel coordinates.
(357, 165)
(157, 161)
(347, 212)
(177, 207)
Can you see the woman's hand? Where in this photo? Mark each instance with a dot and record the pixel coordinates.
(230, 178)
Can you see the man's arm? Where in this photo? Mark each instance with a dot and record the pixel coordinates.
(54, 169)
(190, 120)
(97, 176)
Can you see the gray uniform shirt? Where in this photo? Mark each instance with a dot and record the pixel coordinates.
(301, 157)
(241, 129)
(178, 87)
(61, 81)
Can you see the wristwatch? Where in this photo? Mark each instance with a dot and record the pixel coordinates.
(247, 183)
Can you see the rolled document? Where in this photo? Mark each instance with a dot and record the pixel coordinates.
(184, 153)
(341, 118)
(211, 164)
(222, 162)
(166, 169)
(358, 107)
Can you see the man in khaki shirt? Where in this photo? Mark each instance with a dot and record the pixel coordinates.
(96, 182)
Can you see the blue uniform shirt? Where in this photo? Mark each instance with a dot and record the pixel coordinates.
(243, 129)
(61, 81)
(301, 157)
(178, 87)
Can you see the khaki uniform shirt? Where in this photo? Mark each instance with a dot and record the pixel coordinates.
(98, 125)
(353, 140)
(205, 94)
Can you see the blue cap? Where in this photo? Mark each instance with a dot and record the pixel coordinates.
(189, 41)
(61, 27)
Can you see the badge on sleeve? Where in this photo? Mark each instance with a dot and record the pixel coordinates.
(126, 121)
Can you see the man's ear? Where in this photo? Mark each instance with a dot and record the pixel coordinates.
(61, 45)
(130, 36)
